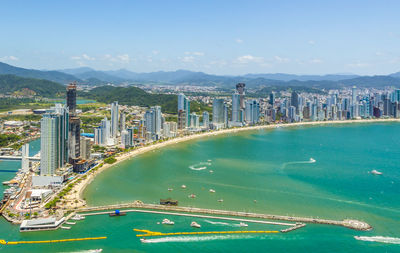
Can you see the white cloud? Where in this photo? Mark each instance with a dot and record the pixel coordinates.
(249, 59)
(315, 61)
(239, 41)
(124, 58)
(311, 42)
(195, 53)
(82, 57)
(187, 58)
(9, 58)
(358, 65)
(281, 59)
(87, 57)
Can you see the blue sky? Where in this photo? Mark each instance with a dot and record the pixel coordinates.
(218, 37)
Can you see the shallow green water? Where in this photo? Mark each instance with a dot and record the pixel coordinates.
(270, 166)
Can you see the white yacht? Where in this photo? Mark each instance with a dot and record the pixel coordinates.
(78, 217)
(212, 190)
(220, 200)
(312, 160)
(195, 224)
(170, 189)
(375, 172)
(183, 186)
(242, 224)
(167, 222)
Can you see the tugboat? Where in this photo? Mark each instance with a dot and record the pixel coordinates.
(195, 224)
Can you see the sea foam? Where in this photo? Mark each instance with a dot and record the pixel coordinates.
(382, 239)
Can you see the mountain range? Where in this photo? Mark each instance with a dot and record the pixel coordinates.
(89, 76)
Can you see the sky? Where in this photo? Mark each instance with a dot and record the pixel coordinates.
(217, 37)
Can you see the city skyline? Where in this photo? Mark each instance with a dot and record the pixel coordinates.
(221, 38)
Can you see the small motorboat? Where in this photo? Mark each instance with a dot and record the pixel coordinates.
(195, 224)
(183, 186)
(220, 200)
(242, 224)
(167, 222)
(312, 160)
(212, 190)
(144, 240)
(70, 223)
(375, 172)
(211, 171)
(170, 189)
(67, 228)
(192, 196)
(78, 217)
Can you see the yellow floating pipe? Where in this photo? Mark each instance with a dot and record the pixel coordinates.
(3, 242)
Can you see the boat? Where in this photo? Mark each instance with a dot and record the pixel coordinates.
(170, 189)
(212, 190)
(167, 222)
(65, 227)
(144, 240)
(211, 171)
(192, 196)
(242, 224)
(183, 186)
(312, 160)
(78, 217)
(195, 224)
(208, 160)
(220, 200)
(70, 223)
(375, 172)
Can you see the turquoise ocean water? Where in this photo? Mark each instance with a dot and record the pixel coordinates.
(272, 167)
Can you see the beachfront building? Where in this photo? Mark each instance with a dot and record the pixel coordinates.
(153, 121)
(218, 113)
(102, 134)
(85, 148)
(194, 121)
(184, 108)
(206, 120)
(54, 139)
(252, 113)
(114, 119)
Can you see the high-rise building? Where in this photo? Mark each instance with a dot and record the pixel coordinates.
(295, 100)
(122, 121)
(71, 98)
(102, 134)
(235, 107)
(24, 156)
(85, 148)
(54, 139)
(131, 133)
(74, 136)
(125, 141)
(194, 120)
(153, 121)
(240, 91)
(252, 113)
(114, 119)
(218, 111)
(184, 105)
(272, 98)
(354, 95)
(181, 119)
(206, 120)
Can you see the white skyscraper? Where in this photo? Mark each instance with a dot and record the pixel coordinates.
(206, 120)
(114, 119)
(153, 121)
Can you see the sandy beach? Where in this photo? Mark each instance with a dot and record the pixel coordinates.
(77, 192)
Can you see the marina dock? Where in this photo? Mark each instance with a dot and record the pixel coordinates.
(348, 223)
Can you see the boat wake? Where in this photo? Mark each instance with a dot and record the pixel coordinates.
(312, 160)
(200, 166)
(195, 238)
(222, 223)
(86, 251)
(382, 239)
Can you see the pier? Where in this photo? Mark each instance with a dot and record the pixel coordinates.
(352, 224)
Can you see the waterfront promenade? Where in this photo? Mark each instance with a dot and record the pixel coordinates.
(352, 224)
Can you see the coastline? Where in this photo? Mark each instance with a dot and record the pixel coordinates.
(77, 192)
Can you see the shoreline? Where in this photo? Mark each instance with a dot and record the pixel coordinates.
(79, 189)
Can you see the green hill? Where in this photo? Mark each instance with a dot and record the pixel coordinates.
(11, 84)
(132, 96)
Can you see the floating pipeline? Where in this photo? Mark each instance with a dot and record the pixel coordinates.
(152, 233)
(3, 242)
